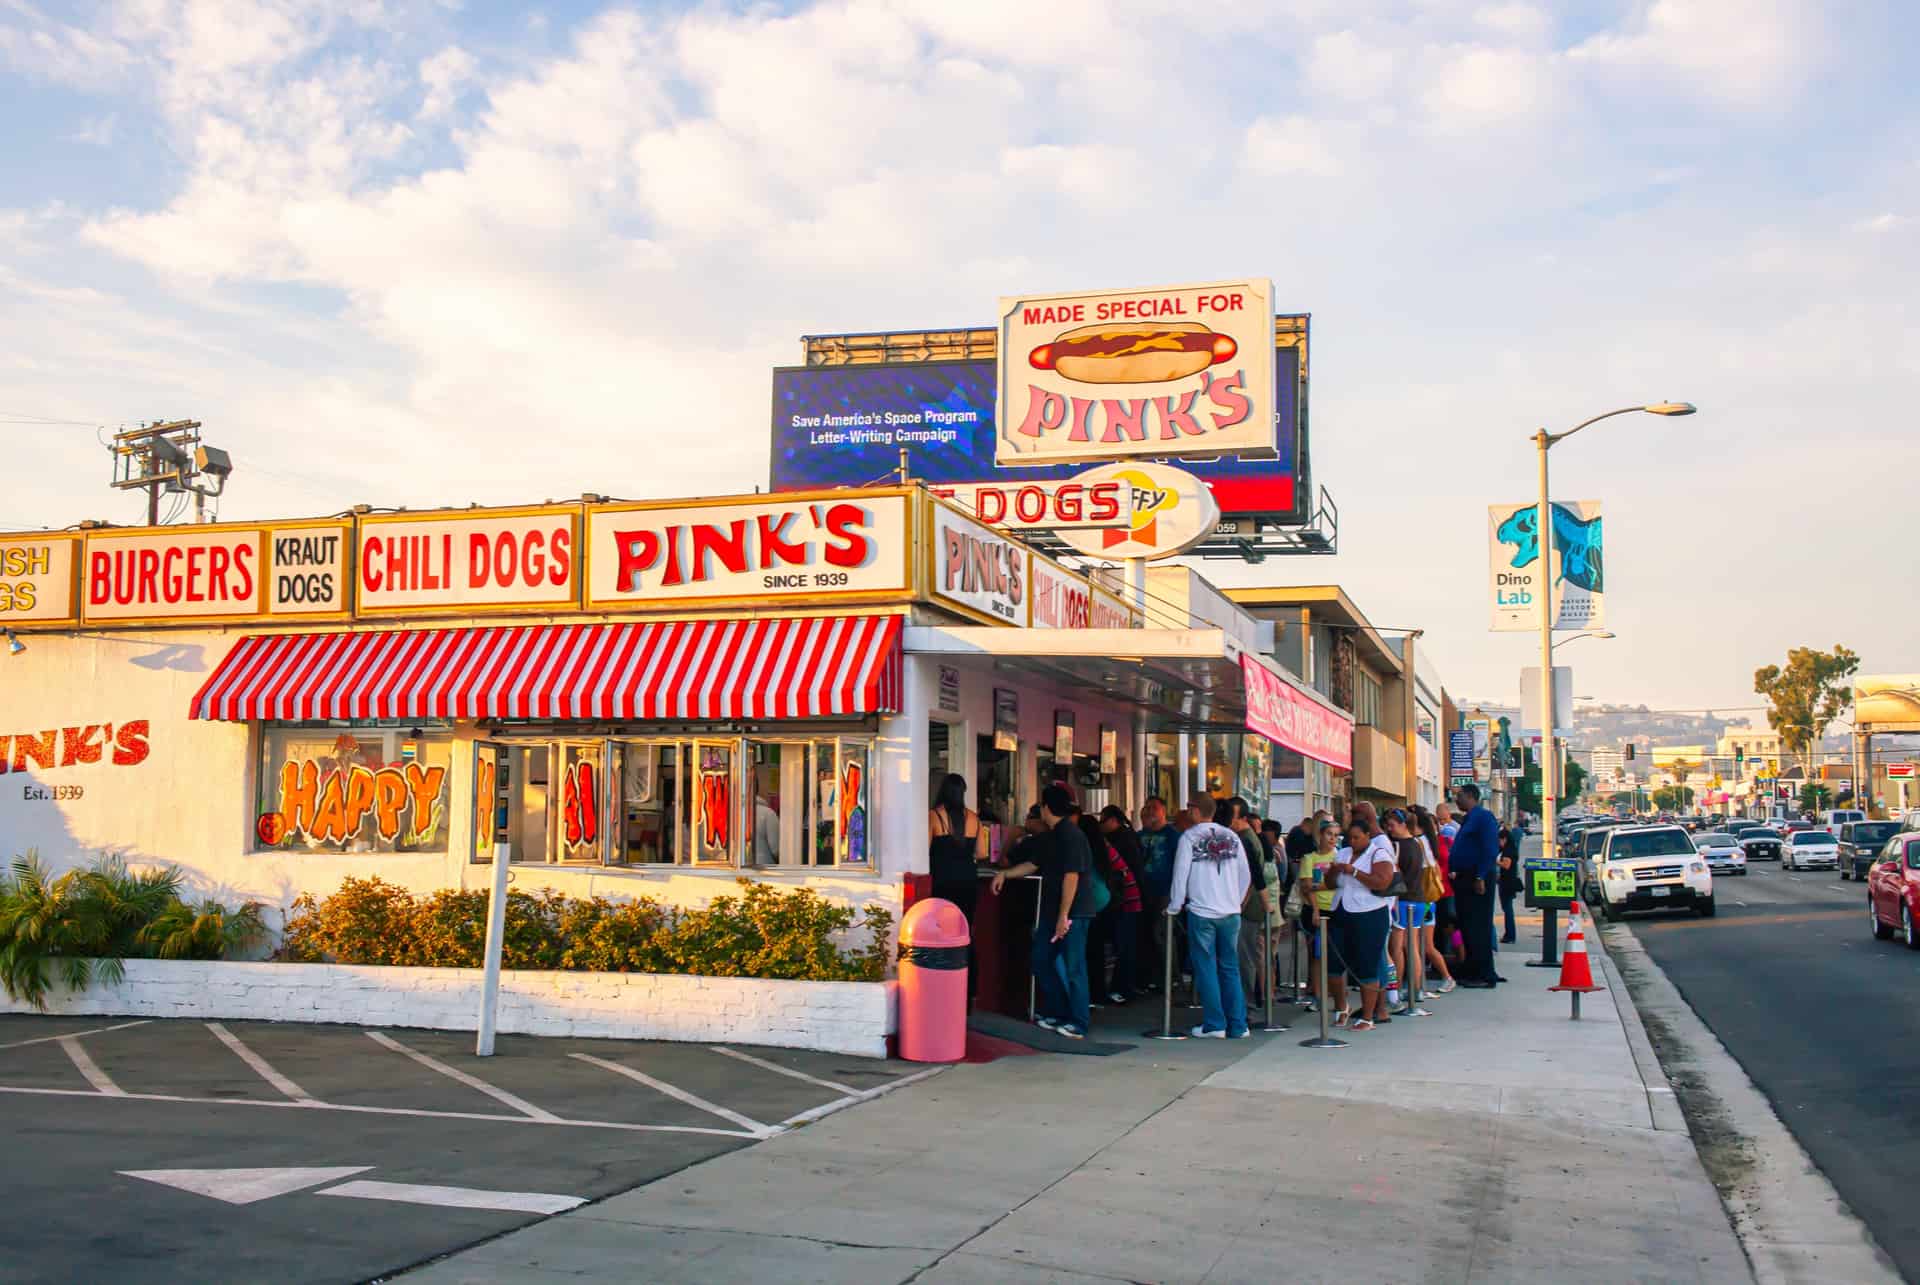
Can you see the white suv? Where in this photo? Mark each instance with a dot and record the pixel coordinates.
(1651, 867)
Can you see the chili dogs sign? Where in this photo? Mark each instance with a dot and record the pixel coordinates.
(498, 561)
(1185, 370)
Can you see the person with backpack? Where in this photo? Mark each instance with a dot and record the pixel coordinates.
(1265, 883)
(1440, 893)
(1116, 919)
(1510, 881)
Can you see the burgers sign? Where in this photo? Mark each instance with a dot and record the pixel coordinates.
(1185, 370)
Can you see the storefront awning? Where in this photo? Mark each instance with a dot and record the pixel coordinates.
(1181, 680)
(688, 670)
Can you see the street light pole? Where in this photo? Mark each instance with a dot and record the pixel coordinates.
(1550, 764)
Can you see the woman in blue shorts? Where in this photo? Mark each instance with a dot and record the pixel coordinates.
(1410, 914)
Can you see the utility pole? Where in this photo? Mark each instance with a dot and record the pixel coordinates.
(168, 456)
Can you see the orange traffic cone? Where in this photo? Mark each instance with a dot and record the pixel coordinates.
(1576, 975)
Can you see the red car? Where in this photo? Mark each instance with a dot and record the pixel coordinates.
(1893, 889)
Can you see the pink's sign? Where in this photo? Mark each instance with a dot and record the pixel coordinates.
(1293, 720)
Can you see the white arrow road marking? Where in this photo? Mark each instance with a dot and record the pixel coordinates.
(84, 1062)
(261, 1067)
(711, 1108)
(519, 1202)
(519, 1104)
(243, 1186)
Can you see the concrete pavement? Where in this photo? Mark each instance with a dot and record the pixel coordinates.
(1494, 1141)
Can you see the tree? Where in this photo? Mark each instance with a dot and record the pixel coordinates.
(1813, 796)
(1672, 798)
(1805, 695)
(1573, 779)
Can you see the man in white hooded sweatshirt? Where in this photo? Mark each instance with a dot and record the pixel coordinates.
(1210, 881)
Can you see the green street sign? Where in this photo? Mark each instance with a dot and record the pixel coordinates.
(1553, 884)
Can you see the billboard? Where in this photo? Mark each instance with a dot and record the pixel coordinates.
(1513, 578)
(1887, 702)
(839, 426)
(1125, 374)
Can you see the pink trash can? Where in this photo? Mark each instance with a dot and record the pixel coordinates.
(933, 982)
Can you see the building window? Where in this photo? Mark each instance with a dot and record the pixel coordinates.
(1366, 698)
(353, 788)
(809, 805)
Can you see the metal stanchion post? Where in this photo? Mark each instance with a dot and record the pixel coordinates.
(1165, 1030)
(1266, 942)
(1323, 1040)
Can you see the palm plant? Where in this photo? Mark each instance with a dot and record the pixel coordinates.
(83, 925)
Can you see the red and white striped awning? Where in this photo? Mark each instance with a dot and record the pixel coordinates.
(694, 670)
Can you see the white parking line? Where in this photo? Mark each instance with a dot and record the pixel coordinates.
(517, 1202)
(777, 1069)
(692, 1100)
(519, 1104)
(90, 1068)
(260, 1065)
(865, 1095)
(74, 1035)
(556, 1121)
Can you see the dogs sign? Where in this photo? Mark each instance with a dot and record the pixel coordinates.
(1578, 567)
(1176, 371)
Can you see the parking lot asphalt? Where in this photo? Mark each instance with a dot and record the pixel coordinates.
(197, 1151)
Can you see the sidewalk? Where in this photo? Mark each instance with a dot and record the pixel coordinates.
(1494, 1141)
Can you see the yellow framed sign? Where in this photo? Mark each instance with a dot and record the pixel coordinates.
(473, 562)
(39, 578)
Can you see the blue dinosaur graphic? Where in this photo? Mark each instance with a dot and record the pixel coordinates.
(1577, 540)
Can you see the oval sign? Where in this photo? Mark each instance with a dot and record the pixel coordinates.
(1169, 511)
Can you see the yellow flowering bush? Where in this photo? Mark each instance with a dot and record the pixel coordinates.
(763, 932)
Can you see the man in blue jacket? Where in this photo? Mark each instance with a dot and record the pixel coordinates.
(1475, 864)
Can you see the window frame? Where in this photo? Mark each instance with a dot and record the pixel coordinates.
(392, 731)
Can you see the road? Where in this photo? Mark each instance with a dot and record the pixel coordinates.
(197, 1151)
(1824, 1020)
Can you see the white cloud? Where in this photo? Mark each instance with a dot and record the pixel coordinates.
(1289, 145)
(444, 75)
(1474, 86)
(1752, 54)
(97, 132)
(1343, 65)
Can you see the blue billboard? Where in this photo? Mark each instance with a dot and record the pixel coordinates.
(846, 426)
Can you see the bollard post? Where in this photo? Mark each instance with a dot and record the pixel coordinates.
(1266, 941)
(1323, 1040)
(1165, 1030)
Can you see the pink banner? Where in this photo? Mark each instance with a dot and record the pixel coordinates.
(1294, 720)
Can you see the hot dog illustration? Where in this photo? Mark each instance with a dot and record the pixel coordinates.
(1133, 354)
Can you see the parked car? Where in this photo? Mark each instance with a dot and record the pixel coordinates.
(1722, 852)
(1653, 867)
(1760, 842)
(1893, 889)
(1812, 850)
(1860, 844)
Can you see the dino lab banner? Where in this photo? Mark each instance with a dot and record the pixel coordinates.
(1514, 580)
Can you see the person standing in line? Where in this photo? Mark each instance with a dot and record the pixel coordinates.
(1118, 925)
(1475, 866)
(1065, 866)
(1412, 914)
(1358, 936)
(1156, 839)
(1253, 913)
(1443, 817)
(1126, 841)
(1210, 882)
(1437, 847)
(1315, 902)
(958, 844)
(1509, 880)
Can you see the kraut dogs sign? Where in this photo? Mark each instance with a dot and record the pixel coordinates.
(1184, 370)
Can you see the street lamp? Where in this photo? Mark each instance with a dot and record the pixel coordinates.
(1549, 768)
(1591, 633)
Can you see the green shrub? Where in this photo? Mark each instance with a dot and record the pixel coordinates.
(764, 932)
(82, 924)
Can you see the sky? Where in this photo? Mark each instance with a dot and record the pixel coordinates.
(416, 253)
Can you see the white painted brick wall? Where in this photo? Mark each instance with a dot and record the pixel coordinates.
(834, 1017)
